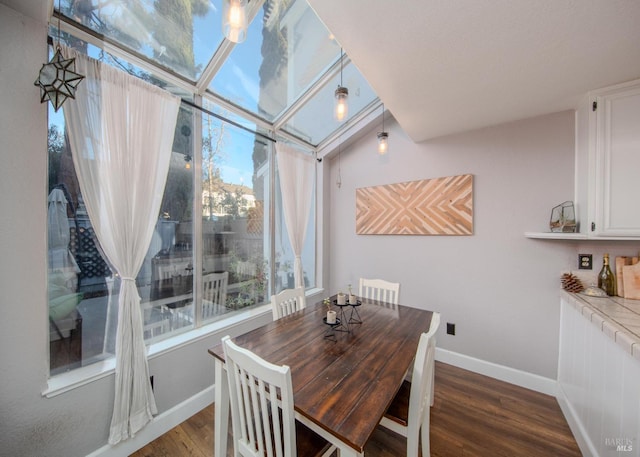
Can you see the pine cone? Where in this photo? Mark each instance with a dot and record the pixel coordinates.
(571, 283)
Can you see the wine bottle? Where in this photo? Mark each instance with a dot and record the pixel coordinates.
(606, 280)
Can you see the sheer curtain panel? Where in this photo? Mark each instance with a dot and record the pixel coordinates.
(121, 132)
(297, 178)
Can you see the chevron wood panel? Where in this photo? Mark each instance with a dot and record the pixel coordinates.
(439, 206)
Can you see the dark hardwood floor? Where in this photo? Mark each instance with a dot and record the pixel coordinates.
(472, 415)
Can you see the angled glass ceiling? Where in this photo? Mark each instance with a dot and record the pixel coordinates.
(284, 74)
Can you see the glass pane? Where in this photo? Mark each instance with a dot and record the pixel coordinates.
(119, 63)
(235, 174)
(77, 274)
(166, 277)
(284, 253)
(83, 292)
(314, 122)
(177, 34)
(286, 50)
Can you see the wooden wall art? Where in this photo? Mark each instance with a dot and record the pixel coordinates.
(439, 206)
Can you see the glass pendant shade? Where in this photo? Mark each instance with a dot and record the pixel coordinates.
(383, 144)
(234, 20)
(341, 107)
(58, 80)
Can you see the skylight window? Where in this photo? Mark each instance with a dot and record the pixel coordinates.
(286, 56)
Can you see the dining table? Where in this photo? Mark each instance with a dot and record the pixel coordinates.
(344, 375)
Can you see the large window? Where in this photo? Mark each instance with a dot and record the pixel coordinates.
(230, 247)
(211, 253)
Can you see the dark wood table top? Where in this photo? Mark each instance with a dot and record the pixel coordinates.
(343, 386)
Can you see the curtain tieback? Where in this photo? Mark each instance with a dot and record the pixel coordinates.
(127, 278)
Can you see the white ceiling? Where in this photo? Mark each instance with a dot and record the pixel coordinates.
(446, 66)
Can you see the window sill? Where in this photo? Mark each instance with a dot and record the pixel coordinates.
(73, 379)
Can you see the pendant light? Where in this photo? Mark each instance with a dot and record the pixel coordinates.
(383, 137)
(234, 20)
(341, 106)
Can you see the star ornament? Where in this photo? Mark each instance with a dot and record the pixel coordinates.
(58, 80)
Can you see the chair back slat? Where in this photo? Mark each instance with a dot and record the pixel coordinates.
(380, 290)
(288, 301)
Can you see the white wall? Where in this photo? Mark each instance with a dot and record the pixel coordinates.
(75, 423)
(498, 287)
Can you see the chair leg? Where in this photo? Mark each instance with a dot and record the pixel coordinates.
(330, 452)
(426, 451)
(433, 382)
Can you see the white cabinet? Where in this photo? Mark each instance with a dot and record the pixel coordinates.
(614, 162)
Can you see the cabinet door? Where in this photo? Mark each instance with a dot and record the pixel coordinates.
(617, 205)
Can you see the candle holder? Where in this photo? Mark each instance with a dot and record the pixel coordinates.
(330, 334)
(342, 315)
(354, 318)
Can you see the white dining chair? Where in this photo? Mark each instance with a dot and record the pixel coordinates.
(408, 414)
(214, 293)
(287, 301)
(262, 415)
(379, 289)
(156, 328)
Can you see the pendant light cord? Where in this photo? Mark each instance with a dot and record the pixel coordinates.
(59, 13)
(341, 67)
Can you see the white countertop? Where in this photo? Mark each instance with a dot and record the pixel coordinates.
(617, 317)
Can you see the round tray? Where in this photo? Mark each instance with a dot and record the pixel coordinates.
(357, 303)
(335, 302)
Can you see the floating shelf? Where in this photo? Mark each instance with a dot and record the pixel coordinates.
(576, 236)
(556, 235)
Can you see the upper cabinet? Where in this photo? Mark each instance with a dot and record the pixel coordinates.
(607, 166)
(608, 162)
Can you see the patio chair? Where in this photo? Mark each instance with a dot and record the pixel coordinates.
(214, 293)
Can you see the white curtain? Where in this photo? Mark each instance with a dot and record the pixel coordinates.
(297, 173)
(121, 133)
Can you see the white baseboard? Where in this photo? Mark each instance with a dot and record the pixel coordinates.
(577, 428)
(160, 425)
(511, 375)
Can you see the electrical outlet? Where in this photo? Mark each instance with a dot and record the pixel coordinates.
(585, 261)
(451, 328)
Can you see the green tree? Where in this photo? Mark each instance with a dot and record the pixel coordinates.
(212, 155)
